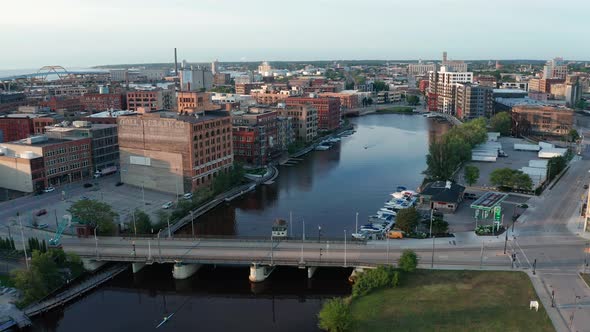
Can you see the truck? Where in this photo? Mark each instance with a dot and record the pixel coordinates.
(105, 171)
(526, 147)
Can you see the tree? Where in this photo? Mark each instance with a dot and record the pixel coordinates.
(555, 166)
(42, 277)
(408, 261)
(573, 135)
(335, 316)
(506, 177)
(95, 213)
(471, 174)
(581, 104)
(407, 219)
(501, 123)
(439, 225)
(370, 101)
(413, 100)
(379, 86)
(143, 222)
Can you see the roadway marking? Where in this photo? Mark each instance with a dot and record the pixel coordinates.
(522, 251)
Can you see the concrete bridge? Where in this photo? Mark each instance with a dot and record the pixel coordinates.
(263, 255)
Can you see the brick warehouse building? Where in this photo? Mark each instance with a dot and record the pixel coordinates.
(541, 120)
(255, 136)
(171, 152)
(328, 109)
(97, 102)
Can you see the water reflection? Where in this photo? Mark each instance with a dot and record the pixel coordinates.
(327, 188)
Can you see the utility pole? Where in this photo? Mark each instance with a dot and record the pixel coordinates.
(192, 222)
(505, 241)
(22, 235)
(159, 248)
(96, 242)
(56, 222)
(432, 260)
(134, 224)
(149, 249)
(319, 233)
(303, 236)
(169, 233)
(344, 248)
(481, 256)
(431, 217)
(356, 223)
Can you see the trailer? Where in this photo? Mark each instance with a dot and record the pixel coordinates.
(550, 153)
(526, 147)
(105, 171)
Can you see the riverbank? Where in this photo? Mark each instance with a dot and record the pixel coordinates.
(396, 110)
(452, 301)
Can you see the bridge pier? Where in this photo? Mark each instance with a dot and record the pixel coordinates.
(92, 265)
(311, 271)
(184, 271)
(259, 273)
(136, 267)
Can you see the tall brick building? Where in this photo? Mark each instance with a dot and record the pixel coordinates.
(328, 109)
(169, 152)
(255, 136)
(99, 102)
(541, 120)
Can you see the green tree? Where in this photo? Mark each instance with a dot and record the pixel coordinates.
(42, 277)
(95, 213)
(506, 177)
(573, 135)
(555, 165)
(408, 261)
(581, 104)
(379, 86)
(439, 226)
(143, 222)
(335, 315)
(502, 123)
(413, 100)
(471, 174)
(407, 219)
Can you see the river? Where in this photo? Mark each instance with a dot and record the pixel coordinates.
(325, 188)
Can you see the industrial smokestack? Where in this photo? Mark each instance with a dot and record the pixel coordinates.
(445, 56)
(175, 63)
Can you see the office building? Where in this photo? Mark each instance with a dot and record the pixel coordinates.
(473, 101)
(175, 153)
(38, 162)
(99, 102)
(104, 140)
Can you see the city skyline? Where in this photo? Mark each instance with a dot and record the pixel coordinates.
(118, 32)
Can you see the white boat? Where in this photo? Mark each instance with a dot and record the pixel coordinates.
(322, 147)
(359, 236)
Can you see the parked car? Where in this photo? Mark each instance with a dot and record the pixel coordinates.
(84, 198)
(167, 205)
(87, 185)
(585, 186)
(469, 196)
(119, 184)
(40, 212)
(187, 196)
(43, 226)
(49, 189)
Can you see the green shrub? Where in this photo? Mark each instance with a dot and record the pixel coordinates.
(408, 261)
(335, 315)
(373, 279)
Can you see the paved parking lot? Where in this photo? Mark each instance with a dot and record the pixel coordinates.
(515, 160)
(123, 199)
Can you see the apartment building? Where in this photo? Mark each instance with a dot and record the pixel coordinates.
(328, 110)
(255, 135)
(442, 88)
(473, 101)
(304, 121)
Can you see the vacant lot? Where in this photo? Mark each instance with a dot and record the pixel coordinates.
(453, 301)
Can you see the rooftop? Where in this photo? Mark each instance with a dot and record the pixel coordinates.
(112, 114)
(511, 102)
(443, 191)
(488, 200)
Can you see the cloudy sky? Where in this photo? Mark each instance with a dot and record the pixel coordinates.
(92, 32)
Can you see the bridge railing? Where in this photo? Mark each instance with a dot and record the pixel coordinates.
(232, 238)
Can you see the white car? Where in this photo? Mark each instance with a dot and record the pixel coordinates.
(48, 189)
(187, 196)
(167, 205)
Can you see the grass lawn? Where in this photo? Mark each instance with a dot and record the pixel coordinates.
(452, 301)
(586, 278)
(396, 109)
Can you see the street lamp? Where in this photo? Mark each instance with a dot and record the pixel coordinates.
(22, 235)
(96, 242)
(169, 233)
(344, 248)
(319, 233)
(356, 223)
(159, 248)
(192, 222)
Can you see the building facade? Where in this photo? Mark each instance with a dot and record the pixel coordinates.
(474, 101)
(175, 153)
(328, 110)
(417, 69)
(442, 88)
(38, 162)
(97, 102)
(541, 120)
(151, 100)
(304, 121)
(191, 102)
(255, 135)
(196, 79)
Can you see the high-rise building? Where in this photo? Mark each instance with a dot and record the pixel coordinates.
(442, 88)
(573, 90)
(195, 79)
(473, 101)
(265, 69)
(175, 153)
(454, 65)
(215, 67)
(328, 109)
(555, 68)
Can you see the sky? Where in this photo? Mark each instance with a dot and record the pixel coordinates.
(79, 33)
